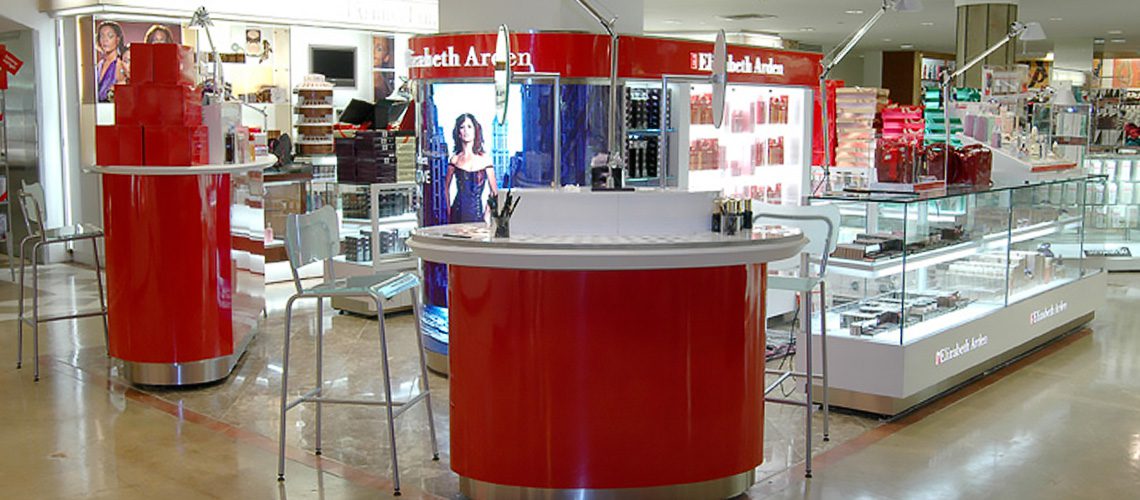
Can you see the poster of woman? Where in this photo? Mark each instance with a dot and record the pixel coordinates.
(113, 40)
(471, 170)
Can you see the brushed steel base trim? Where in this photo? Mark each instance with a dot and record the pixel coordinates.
(889, 406)
(192, 373)
(438, 363)
(725, 487)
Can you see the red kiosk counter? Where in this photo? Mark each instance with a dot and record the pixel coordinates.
(546, 399)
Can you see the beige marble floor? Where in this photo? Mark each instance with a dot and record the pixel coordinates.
(80, 433)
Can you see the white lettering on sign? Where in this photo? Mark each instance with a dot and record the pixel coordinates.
(471, 59)
(948, 353)
(1043, 314)
(702, 61)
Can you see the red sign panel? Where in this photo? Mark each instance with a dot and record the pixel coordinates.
(9, 62)
(583, 55)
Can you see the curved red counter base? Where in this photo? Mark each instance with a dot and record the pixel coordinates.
(606, 379)
(170, 281)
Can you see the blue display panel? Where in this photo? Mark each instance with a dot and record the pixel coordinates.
(470, 155)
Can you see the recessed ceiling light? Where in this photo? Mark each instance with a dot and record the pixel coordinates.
(927, 23)
(672, 21)
(1119, 40)
(1115, 32)
(856, 11)
(807, 28)
(906, 46)
(745, 17)
(887, 40)
(1054, 19)
(1098, 40)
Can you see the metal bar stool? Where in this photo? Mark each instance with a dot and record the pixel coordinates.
(821, 225)
(315, 237)
(31, 202)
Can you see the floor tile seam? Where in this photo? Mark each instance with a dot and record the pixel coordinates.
(256, 440)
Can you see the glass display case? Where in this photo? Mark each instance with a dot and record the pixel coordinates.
(1114, 206)
(907, 268)
(926, 292)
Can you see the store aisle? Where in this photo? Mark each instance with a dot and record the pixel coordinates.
(79, 434)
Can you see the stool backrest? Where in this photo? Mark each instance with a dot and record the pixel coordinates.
(820, 223)
(32, 206)
(310, 238)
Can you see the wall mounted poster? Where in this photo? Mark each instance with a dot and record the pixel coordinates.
(112, 44)
(383, 67)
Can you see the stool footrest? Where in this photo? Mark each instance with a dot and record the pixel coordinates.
(311, 397)
(28, 319)
(785, 401)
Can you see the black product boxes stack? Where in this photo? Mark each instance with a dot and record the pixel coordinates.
(375, 157)
(345, 159)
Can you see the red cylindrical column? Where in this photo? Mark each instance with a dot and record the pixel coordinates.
(169, 273)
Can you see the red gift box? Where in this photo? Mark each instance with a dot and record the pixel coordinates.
(106, 145)
(126, 99)
(172, 63)
(174, 145)
(167, 104)
(142, 62)
(130, 144)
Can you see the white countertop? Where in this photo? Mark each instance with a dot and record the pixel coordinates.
(260, 163)
(472, 245)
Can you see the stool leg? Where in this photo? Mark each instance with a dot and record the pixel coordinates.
(823, 359)
(284, 390)
(20, 326)
(102, 298)
(320, 363)
(806, 298)
(424, 371)
(388, 395)
(36, 310)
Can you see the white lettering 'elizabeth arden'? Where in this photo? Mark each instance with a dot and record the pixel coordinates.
(960, 348)
(1043, 314)
(702, 61)
(471, 59)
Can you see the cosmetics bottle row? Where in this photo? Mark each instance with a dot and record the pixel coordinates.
(358, 248)
(732, 216)
(709, 154)
(770, 109)
(643, 108)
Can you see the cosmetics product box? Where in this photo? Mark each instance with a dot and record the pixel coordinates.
(130, 144)
(106, 145)
(175, 146)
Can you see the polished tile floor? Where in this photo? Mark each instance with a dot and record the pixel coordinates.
(1063, 424)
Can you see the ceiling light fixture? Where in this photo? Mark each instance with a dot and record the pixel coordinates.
(1098, 41)
(1119, 40)
(906, 46)
(671, 21)
(888, 40)
(807, 28)
(745, 17)
(1055, 19)
(1116, 32)
(854, 12)
(927, 23)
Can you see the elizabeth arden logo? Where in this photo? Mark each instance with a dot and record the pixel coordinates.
(948, 353)
(1044, 314)
(702, 61)
(468, 59)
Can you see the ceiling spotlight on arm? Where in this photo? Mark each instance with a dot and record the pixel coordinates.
(840, 51)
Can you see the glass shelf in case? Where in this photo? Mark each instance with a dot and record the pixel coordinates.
(907, 267)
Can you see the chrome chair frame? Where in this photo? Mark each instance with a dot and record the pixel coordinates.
(805, 297)
(31, 205)
(321, 226)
